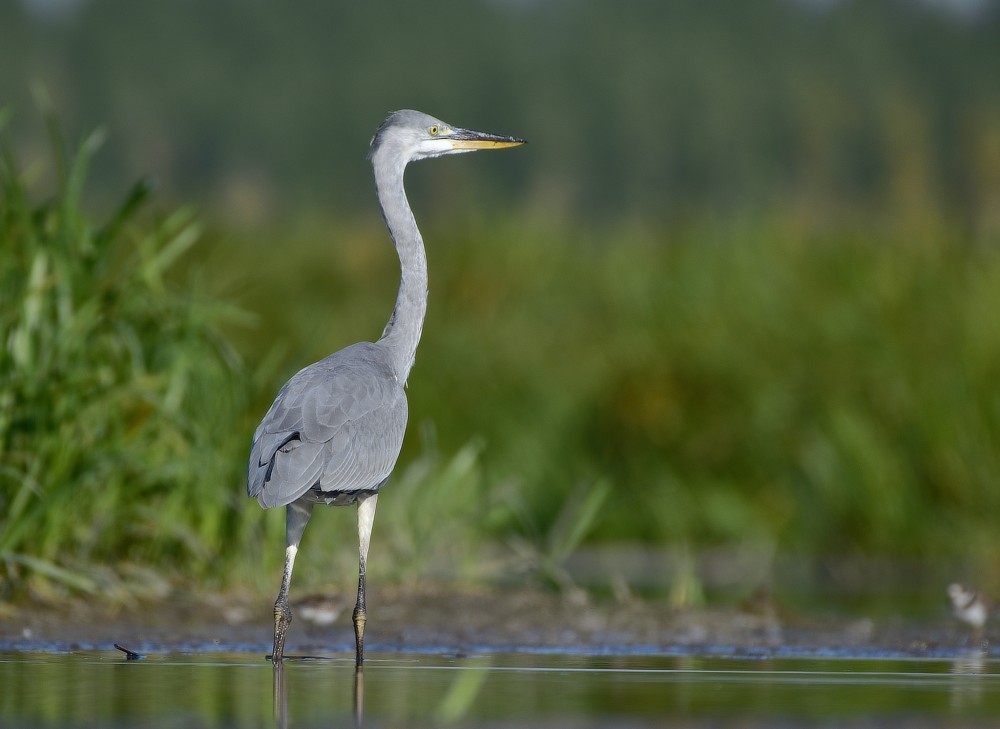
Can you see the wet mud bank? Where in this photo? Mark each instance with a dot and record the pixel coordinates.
(465, 620)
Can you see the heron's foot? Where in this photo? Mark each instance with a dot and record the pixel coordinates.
(282, 619)
(359, 636)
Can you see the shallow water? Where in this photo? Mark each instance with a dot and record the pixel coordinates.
(51, 689)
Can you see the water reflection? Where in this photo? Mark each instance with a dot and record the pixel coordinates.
(280, 696)
(101, 688)
(359, 696)
(968, 693)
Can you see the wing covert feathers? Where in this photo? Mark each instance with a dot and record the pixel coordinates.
(337, 425)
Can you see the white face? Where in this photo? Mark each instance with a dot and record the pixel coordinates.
(956, 591)
(437, 147)
(424, 137)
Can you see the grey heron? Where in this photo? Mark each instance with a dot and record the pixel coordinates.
(335, 429)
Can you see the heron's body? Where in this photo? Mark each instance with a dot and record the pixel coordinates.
(307, 446)
(335, 429)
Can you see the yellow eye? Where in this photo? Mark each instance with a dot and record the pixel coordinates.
(433, 130)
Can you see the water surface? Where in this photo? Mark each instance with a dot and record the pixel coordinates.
(51, 689)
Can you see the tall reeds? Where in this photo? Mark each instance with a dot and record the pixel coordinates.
(117, 390)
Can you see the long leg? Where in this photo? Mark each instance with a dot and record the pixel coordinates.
(296, 517)
(366, 517)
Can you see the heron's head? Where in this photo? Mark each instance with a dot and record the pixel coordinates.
(411, 135)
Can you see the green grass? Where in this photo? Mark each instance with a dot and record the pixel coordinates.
(117, 391)
(759, 384)
(816, 393)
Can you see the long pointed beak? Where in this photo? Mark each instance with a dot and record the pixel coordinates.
(468, 139)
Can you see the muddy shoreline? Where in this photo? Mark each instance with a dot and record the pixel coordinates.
(475, 620)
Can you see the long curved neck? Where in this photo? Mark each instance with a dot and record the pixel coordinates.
(402, 333)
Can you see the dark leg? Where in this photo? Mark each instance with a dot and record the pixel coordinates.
(366, 517)
(296, 517)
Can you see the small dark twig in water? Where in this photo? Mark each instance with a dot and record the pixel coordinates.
(129, 655)
(270, 657)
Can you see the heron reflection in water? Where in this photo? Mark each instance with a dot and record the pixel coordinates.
(281, 696)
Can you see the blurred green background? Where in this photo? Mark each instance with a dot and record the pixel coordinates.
(739, 296)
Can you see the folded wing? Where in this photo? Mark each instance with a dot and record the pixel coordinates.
(336, 425)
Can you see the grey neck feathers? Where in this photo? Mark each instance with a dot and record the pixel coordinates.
(402, 333)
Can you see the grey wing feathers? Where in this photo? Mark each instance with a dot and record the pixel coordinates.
(336, 425)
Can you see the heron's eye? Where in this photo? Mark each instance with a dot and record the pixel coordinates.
(434, 130)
